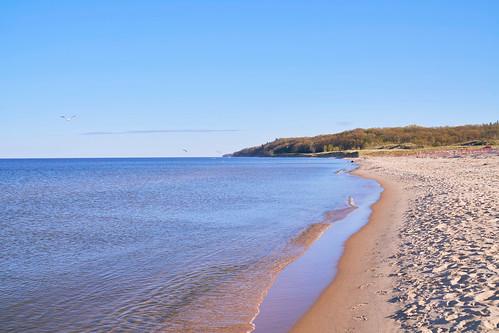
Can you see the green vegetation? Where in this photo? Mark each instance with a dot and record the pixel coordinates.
(393, 138)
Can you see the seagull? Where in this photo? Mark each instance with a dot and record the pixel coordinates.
(68, 118)
(185, 150)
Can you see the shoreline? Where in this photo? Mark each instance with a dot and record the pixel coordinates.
(303, 240)
(350, 303)
(302, 280)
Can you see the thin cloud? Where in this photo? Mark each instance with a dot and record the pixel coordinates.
(163, 131)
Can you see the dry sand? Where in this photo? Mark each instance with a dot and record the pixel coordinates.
(428, 260)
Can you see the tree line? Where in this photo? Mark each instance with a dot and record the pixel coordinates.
(407, 137)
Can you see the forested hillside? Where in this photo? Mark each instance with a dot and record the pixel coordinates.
(408, 137)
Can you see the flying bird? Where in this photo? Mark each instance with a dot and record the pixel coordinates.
(68, 118)
(185, 150)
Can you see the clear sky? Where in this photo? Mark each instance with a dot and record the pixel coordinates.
(151, 78)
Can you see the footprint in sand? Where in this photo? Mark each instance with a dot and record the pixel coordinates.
(362, 318)
(365, 285)
(355, 307)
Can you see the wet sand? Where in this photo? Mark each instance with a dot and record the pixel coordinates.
(303, 278)
(428, 258)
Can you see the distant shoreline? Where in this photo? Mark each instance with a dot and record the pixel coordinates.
(429, 151)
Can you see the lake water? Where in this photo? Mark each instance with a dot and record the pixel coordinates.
(166, 244)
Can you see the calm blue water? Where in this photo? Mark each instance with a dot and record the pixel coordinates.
(154, 244)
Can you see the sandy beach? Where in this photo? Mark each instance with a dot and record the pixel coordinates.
(427, 261)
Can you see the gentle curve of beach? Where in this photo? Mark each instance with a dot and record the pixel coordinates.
(428, 259)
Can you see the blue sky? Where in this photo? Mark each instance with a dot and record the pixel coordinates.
(216, 76)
